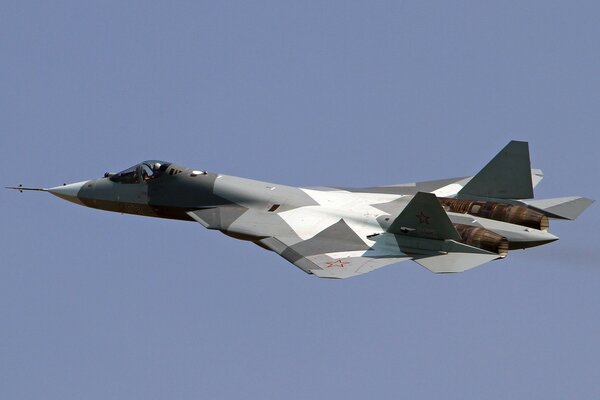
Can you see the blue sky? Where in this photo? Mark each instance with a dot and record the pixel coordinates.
(99, 305)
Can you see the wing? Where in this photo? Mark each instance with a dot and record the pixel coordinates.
(413, 188)
(335, 252)
(329, 265)
(442, 187)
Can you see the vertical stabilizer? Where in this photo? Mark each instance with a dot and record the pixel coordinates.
(507, 176)
(424, 217)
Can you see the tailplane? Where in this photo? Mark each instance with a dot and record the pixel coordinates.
(561, 208)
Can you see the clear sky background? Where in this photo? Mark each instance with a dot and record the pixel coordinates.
(99, 305)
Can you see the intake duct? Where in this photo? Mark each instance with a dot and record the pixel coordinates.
(514, 214)
(483, 239)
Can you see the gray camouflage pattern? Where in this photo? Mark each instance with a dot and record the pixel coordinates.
(342, 232)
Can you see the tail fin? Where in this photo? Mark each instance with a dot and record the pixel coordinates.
(507, 176)
(424, 217)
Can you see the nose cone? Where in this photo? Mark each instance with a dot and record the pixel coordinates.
(69, 192)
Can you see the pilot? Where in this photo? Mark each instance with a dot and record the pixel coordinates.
(155, 171)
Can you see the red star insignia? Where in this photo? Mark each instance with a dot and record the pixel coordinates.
(423, 219)
(336, 263)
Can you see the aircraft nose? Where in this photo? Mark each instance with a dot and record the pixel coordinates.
(69, 192)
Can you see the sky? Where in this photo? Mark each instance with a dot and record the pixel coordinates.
(100, 305)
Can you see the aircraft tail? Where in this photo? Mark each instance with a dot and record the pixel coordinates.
(507, 176)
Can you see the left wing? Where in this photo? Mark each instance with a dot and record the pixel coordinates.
(335, 252)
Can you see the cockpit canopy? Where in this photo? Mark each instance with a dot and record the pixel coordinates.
(147, 170)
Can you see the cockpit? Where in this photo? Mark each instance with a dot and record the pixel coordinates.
(145, 171)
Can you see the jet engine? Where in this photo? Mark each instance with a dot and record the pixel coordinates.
(483, 238)
(511, 213)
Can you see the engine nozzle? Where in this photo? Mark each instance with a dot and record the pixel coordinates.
(483, 238)
(511, 213)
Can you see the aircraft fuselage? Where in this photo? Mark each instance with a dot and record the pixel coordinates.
(448, 225)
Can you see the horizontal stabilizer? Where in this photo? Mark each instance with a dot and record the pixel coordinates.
(562, 208)
(459, 257)
(507, 176)
(424, 217)
(454, 262)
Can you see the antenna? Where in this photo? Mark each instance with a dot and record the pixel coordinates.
(21, 188)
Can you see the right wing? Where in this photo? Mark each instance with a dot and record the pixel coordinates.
(329, 265)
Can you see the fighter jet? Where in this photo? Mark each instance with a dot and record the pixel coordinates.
(448, 225)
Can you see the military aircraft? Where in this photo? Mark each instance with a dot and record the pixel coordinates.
(448, 225)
